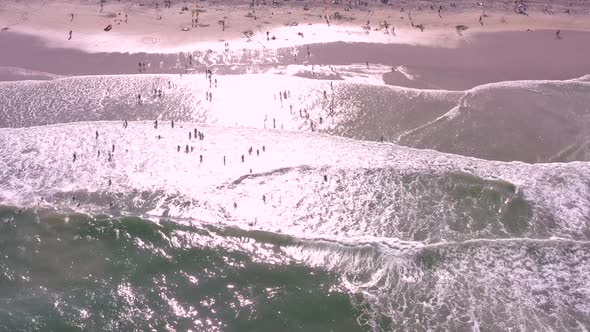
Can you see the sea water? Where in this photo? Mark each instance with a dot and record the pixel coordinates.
(287, 225)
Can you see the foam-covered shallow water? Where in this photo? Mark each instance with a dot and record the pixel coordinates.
(418, 239)
(168, 202)
(493, 121)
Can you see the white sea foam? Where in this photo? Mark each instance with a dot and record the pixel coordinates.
(362, 177)
(404, 71)
(17, 73)
(440, 239)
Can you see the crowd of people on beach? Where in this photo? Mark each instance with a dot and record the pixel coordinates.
(329, 12)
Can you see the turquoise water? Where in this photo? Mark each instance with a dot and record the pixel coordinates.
(73, 272)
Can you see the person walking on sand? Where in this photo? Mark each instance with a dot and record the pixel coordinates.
(70, 38)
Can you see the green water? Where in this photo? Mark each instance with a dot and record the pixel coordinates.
(72, 272)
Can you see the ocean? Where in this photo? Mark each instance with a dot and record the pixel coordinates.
(72, 271)
(308, 204)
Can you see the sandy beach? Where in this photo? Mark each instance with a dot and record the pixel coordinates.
(149, 26)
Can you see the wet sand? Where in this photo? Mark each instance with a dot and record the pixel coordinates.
(498, 45)
(484, 58)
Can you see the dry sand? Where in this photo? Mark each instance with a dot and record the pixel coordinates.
(146, 26)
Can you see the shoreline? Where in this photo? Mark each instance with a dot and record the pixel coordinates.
(475, 61)
(502, 46)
